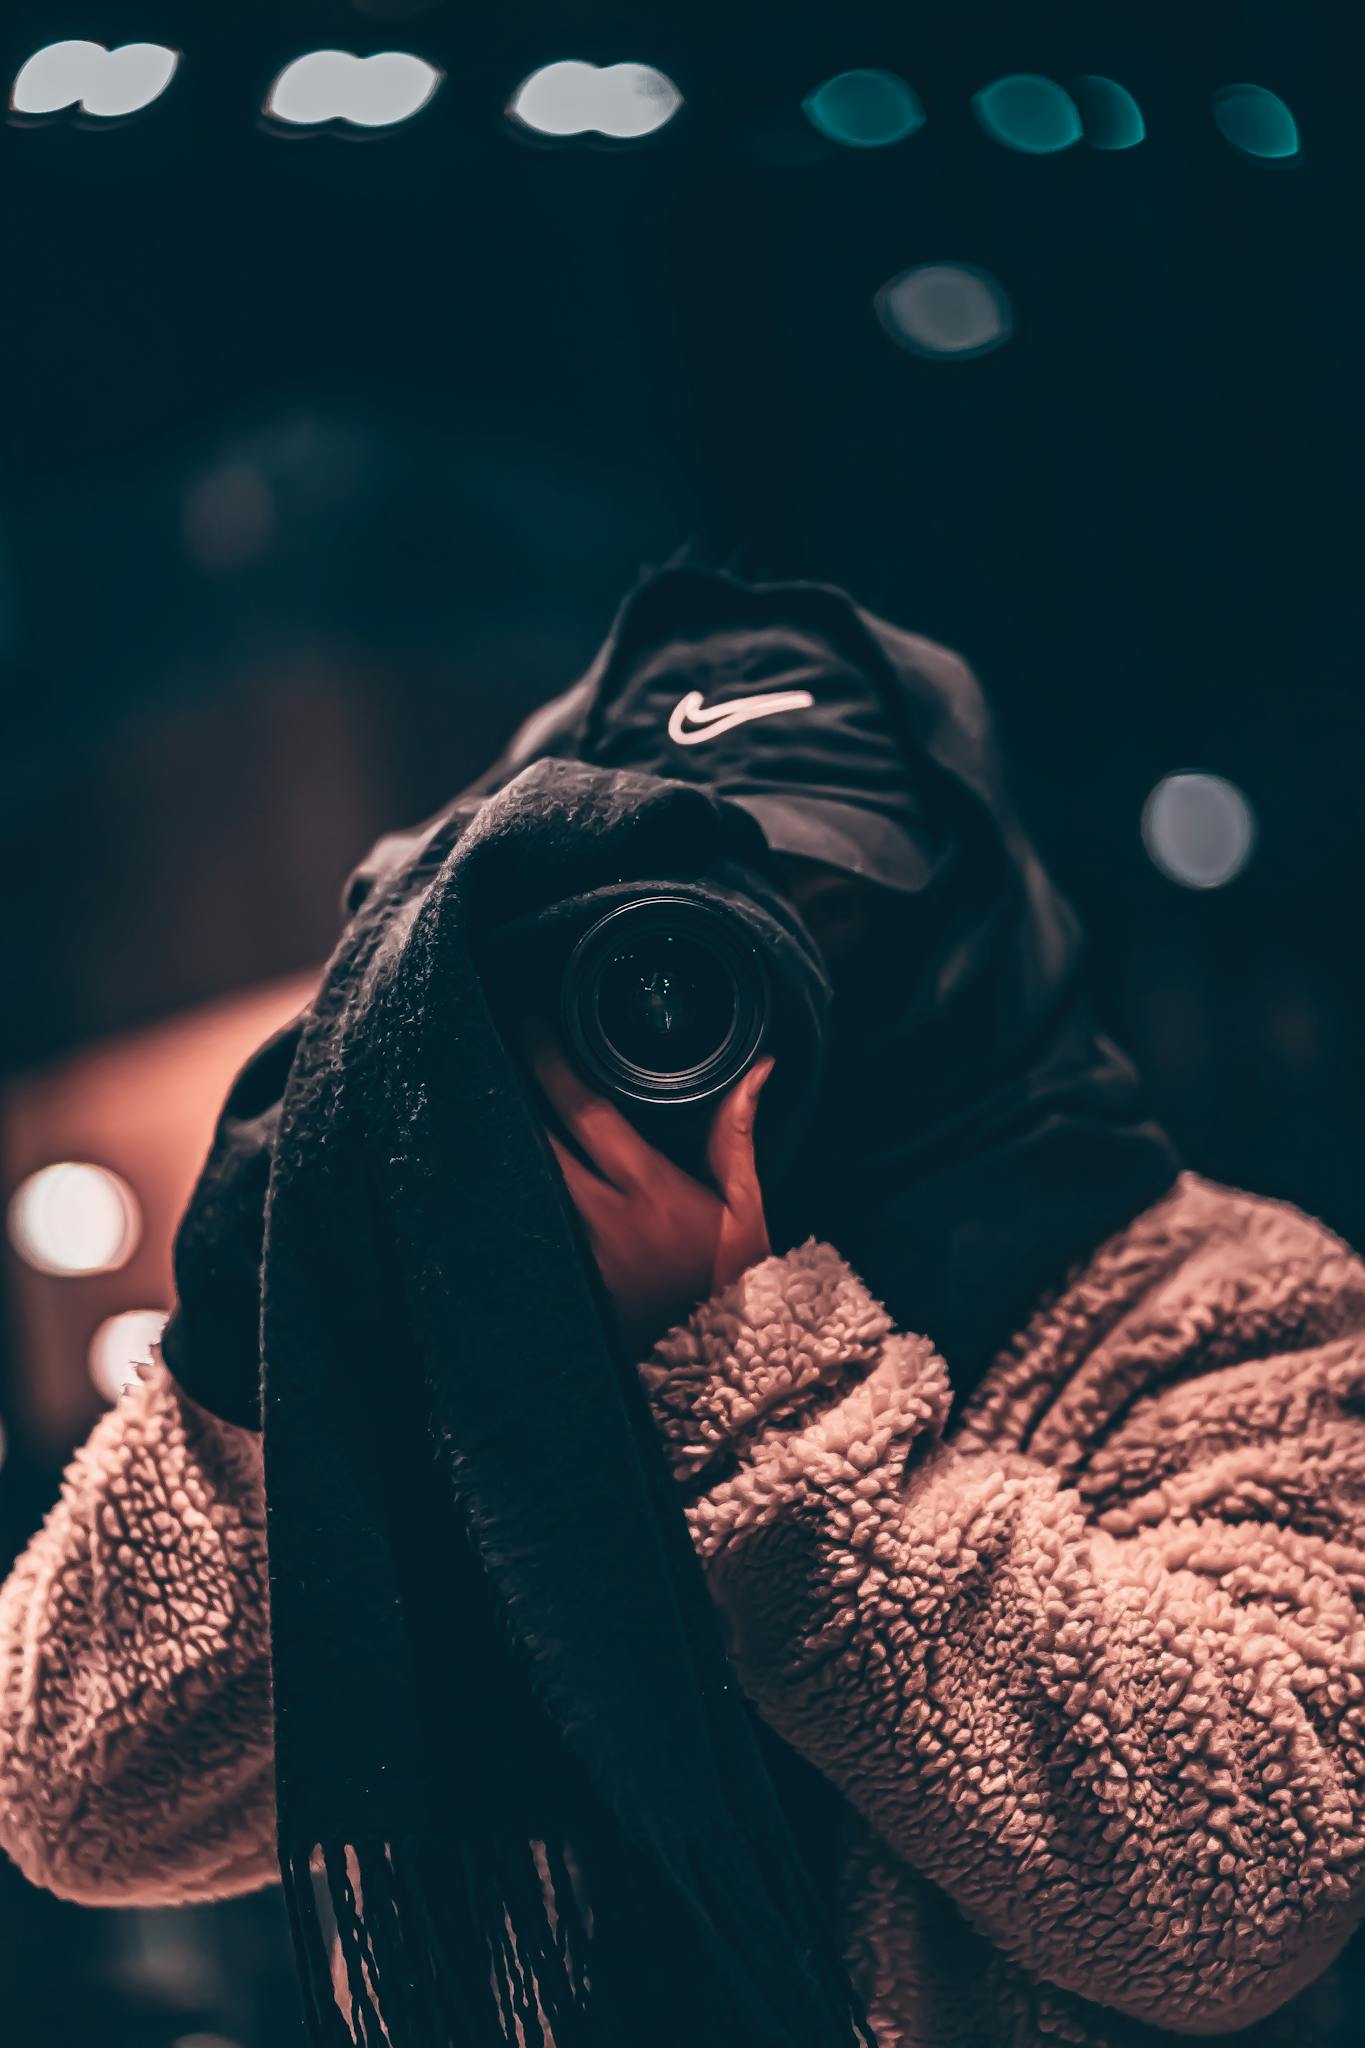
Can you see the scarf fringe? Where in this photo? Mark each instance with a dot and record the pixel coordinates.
(472, 1945)
(417, 1945)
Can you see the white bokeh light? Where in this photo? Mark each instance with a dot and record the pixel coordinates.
(1198, 829)
(948, 310)
(74, 1218)
(573, 98)
(98, 81)
(336, 85)
(120, 1345)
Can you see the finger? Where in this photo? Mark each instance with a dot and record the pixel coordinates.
(613, 1144)
(586, 1188)
(730, 1146)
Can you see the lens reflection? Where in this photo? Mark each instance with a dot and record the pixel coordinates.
(666, 1006)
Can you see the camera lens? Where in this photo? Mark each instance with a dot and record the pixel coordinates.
(665, 999)
(667, 1005)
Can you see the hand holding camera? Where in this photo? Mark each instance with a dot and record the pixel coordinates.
(663, 1240)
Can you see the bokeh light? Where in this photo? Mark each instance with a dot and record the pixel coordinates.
(1028, 113)
(948, 310)
(229, 516)
(1256, 121)
(1198, 829)
(367, 92)
(73, 1218)
(97, 80)
(864, 109)
(625, 101)
(120, 1345)
(1110, 117)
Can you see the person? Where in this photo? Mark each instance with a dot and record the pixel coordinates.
(1023, 1467)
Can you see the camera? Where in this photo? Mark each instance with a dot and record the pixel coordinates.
(664, 994)
(665, 1001)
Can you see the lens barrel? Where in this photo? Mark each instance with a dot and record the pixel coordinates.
(665, 1000)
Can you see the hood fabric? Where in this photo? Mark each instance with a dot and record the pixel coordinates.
(482, 1724)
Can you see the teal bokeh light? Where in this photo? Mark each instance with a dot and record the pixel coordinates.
(1256, 121)
(864, 109)
(1110, 116)
(1028, 113)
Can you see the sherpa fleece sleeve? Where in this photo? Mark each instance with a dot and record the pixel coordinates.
(1110, 1703)
(135, 1726)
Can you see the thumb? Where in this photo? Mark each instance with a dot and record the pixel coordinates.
(730, 1147)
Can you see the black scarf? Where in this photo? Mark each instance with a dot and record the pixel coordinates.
(489, 1630)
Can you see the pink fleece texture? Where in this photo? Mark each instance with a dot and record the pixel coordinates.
(1087, 1666)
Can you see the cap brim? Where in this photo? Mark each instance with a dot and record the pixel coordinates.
(861, 842)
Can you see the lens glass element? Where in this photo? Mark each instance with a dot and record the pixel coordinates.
(666, 1005)
(665, 1000)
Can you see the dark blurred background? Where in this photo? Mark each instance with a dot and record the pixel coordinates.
(328, 449)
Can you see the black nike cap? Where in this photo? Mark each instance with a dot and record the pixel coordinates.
(785, 699)
(749, 692)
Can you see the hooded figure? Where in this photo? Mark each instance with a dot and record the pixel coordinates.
(976, 1133)
(943, 1629)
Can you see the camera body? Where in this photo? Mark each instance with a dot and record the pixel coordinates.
(664, 994)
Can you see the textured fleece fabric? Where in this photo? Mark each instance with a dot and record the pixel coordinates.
(1087, 1663)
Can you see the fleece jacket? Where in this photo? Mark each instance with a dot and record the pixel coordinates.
(1084, 1656)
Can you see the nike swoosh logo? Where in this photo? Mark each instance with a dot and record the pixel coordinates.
(692, 720)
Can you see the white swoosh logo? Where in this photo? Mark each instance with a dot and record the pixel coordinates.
(692, 720)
